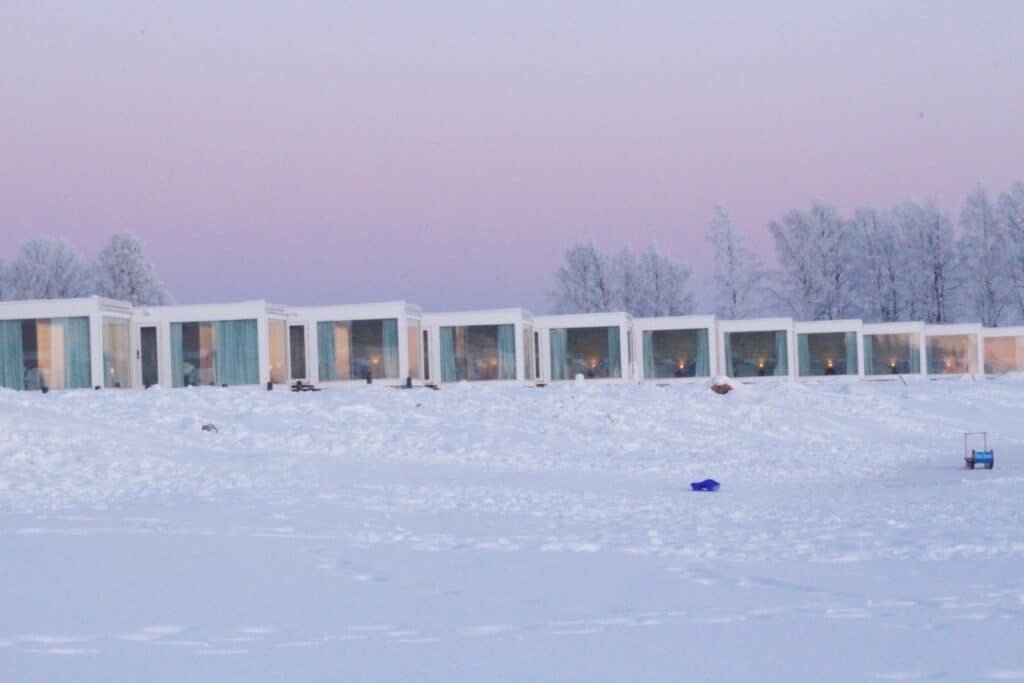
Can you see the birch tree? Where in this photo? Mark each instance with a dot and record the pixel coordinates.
(737, 271)
(48, 268)
(986, 265)
(583, 284)
(124, 272)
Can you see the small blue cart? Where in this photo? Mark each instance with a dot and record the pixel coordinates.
(974, 457)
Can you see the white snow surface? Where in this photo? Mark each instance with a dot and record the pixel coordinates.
(503, 533)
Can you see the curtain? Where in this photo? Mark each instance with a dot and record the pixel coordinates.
(727, 350)
(782, 360)
(77, 353)
(869, 354)
(12, 359)
(177, 360)
(648, 355)
(559, 351)
(390, 350)
(614, 353)
(803, 350)
(703, 368)
(236, 352)
(915, 355)
(328, 371)
(851, 353)
(506, 351)
(448, 354)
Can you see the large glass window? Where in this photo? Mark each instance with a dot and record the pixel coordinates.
(676, 353)
(827, 353)
(594, 352)
(221, 352)
(756, 354)
(478, 352)
(950, 354)
(297, 350)
(50, 353)
(891, 354)
(278, 348)
(116, 354)
(1004, 354)
(413, 352)
(357, 349)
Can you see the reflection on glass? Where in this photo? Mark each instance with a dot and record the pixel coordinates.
(50, 353)
(358, 349)
(219, 352)
(528, 354)
(756, 354)
(116, 355)
(413, 352)
(827, 353)
(594, 352)
(950, 354)
(1004, 354)
(478, 352)
(676, 353)
(277, 346)
(891, 354)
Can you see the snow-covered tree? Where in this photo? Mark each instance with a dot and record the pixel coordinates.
(737, 271)
(124, 272)
(983, 246)
(931, 272)
(1011, 216)
(815, 251)
(645, 284)
(626, 281)
(662, 286)
(881, 267)
(47, 268)
(584, 283)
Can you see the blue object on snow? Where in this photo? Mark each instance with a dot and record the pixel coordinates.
(983, 457)
(706, 485)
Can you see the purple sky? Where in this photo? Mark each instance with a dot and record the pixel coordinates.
(447, 153)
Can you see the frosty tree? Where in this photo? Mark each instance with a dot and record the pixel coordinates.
(645, 284)
(737, 272)
(815, 252)
(124, 272)
(932, 264)
(983, 246)
(1011, 216)
(47, 268)
(881, 269)
(661, 287)
(584, 283)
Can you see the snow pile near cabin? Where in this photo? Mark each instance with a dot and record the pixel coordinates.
(484, 532)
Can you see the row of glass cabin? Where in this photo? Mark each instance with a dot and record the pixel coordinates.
(93, 342)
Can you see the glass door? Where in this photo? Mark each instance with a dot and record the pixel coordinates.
(297, 347)
(148, 356)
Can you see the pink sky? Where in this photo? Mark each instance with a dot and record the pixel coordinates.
(448, 153)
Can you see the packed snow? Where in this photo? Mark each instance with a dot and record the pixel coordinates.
(504, 533)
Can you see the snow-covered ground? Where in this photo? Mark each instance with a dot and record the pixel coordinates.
(498, 533)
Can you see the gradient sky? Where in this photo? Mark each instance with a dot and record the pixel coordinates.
(447, 153)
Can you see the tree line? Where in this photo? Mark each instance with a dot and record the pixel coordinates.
(49, 267)
(912, 261)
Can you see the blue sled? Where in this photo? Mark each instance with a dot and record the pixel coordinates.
(706, 485)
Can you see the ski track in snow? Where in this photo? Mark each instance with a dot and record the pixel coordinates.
(844, 509)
